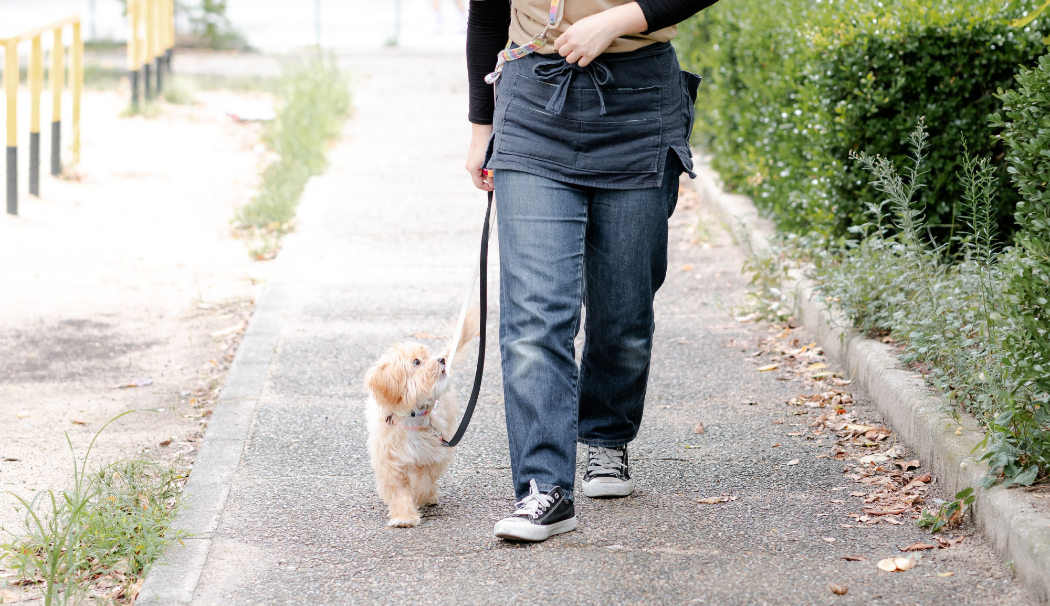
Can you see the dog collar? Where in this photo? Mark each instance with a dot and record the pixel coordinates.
(416, 421)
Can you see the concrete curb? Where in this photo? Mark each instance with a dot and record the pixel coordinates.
(173, 579)
(918, 416)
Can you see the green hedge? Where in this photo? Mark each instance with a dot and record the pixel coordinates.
(792, 86)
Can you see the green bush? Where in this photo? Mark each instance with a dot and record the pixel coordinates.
(1022, 441)
(793, 86)
(951, 316)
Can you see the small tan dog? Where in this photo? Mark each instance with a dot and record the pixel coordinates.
(407, 421)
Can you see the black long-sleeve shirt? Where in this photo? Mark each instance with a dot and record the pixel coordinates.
(487, 27)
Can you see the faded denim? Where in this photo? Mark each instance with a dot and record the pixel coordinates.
(562, 246)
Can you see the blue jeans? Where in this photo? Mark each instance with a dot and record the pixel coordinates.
(563, 246)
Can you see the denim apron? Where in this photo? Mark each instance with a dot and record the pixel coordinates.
(609, 125)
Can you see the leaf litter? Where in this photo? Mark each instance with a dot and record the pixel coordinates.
(893, 485)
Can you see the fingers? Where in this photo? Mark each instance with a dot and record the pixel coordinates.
(481, 180)
(574, 52)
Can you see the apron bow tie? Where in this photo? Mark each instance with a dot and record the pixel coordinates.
(550, 70)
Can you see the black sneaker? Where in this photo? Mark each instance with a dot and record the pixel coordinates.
(539, 516)
(607, 473)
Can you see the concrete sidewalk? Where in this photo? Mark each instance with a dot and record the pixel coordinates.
(386, 242)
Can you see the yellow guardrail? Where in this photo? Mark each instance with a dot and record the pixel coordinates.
(36, 85)
(151, 41)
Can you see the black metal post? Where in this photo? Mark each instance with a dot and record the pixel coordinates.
(160, 75)
(167, 59)
(135, 90)
(12, 180)
(147, 92)
(34, 164)
(56, 148)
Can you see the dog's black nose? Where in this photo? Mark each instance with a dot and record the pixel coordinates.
(442, 360)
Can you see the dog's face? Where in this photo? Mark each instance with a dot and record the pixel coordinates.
(406, 377)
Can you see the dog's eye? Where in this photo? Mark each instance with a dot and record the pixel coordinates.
(416, 362)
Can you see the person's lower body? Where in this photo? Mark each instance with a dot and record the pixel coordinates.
(564, 246)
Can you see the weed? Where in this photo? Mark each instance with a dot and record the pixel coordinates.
(110, 526)
(146, 109)
(179, 89)
(314, 101)
(949, 514)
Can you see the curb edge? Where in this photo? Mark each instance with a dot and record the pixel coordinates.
(173, 578)
(918, 415)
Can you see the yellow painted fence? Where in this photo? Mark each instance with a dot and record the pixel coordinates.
(36, 84)
(151, 41)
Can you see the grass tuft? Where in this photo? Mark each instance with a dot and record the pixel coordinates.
(313, 102)
(102, 535)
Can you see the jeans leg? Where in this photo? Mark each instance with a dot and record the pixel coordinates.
(542, 226)
(626, 263)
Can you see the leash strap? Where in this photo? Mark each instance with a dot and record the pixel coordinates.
(483, 281)
(538, 41)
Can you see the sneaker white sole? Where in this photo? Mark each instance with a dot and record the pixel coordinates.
(514, 530)
(597, 489)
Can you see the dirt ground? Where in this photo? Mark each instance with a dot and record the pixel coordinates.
(128, 274)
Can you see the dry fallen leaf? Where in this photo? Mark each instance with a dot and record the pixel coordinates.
(838, 589)
(79, 422)
(855, 558)
(166, 443)
(699, 428)
(858, 493)
(767, 367)
(134, 590)
(958, 431)
(918, 547)
(715, 500)
(817, 366)
(888, 565)
(8, 597)
(793, 462)
(140, 382)
(946, 574)
(906, 465)
(229, 330)
(885, 512)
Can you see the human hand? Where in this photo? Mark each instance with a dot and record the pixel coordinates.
(479, 144)
(590, 36)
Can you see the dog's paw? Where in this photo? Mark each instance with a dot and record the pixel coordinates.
(404, 522)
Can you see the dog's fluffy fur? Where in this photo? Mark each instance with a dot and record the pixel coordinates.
(407, 463)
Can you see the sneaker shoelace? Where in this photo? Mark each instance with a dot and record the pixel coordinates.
(605, 461)
(535, 503)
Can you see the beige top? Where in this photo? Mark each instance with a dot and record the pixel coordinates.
(527, 18)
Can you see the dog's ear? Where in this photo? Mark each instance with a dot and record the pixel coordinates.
(387, 381)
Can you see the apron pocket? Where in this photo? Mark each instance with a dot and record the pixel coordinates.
(619, 147)
(536, 134)
(690, 85)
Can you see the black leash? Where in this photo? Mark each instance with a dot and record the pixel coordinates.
(483, 295)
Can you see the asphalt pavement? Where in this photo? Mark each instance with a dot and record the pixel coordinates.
(385, 244)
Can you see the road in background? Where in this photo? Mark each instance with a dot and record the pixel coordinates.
(274, 26)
